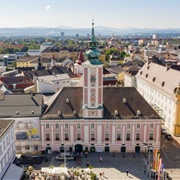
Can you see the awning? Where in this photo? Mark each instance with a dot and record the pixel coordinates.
(13, 173)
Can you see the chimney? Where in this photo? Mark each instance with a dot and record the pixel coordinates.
(168, 66)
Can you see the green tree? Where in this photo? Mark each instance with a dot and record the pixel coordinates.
(2, 51)
(24, 49)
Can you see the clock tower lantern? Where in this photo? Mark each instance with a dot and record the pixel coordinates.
(93, 82)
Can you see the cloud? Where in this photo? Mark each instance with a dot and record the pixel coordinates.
(48, 7)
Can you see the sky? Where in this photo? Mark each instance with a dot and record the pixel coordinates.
(79, 13)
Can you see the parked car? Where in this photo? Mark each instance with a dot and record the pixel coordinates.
(69, 156)
(163, 131)
(168, 136)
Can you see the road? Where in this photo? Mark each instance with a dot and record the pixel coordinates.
(170, 154)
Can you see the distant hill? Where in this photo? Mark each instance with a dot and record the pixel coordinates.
(70, 31)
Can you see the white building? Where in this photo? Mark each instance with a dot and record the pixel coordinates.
(34, 52)
(25, 110)
(52, 83)
(7, 146)
(9, 59)
(158, 83)
(46, 45)
(155, 36)
(148, 53)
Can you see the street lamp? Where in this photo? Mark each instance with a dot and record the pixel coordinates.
(64, 156)
(69, 143)
(150, 148)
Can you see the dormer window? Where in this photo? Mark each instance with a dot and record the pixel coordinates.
(154, 79)
(59, 113)
(141, 73)
(138, 112)
(146, 75)
(124, 100)
(67, 100)
(116, 113)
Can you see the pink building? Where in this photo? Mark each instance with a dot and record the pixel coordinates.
(99, 118)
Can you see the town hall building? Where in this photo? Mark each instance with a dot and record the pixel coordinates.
(98, 118)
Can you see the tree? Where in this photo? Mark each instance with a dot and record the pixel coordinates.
(2, 51)
(24, 49)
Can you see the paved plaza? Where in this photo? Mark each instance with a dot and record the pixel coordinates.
(114, 168)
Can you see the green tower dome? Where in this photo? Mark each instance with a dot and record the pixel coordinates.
(93, 54)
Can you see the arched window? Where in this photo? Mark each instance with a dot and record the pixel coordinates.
(118, 136)
(92, 135)
(107, 135)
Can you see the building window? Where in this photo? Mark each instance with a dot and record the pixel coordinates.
(107, 126)
(92, 125)
(138, 136)
(151, 125)
(128, 125)
(78, 126)
(57, 137)
(138, 125)
(57, 82)
(78, 136)
(66, 137)
(47, 137)
(18, 148)
(66, 126)
(118, 136)
(27, 147)
(57, 126)
(36, 148)
(151, 136)
(119, 126)
(106, 136)
(47, 125)
(26, 125)
(92, 136)
(128, 137)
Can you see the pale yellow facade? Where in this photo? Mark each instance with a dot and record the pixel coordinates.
(177, 112)
(22, 64)
(50, 55)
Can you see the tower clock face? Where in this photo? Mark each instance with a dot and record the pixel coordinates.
(92, 78)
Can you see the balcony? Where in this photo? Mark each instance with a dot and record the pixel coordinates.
(66, 139)
(106, 139)
(151, 138)
(118, 139)
(78, 139)
(92, 139)
(137, 139)
(128, 139)
(57, 139)
(47, 139)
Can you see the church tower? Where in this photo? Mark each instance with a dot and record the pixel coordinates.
(93, 82)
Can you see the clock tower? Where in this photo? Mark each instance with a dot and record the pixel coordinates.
(93, 82)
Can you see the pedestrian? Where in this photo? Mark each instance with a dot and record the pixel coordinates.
(103, 174)
(113, 155)
(86, 153)
(100, 159)
(87, 164)
(144, 169)
(127, 172)
(100, 174)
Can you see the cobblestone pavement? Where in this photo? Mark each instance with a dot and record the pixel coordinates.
(114, 168)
